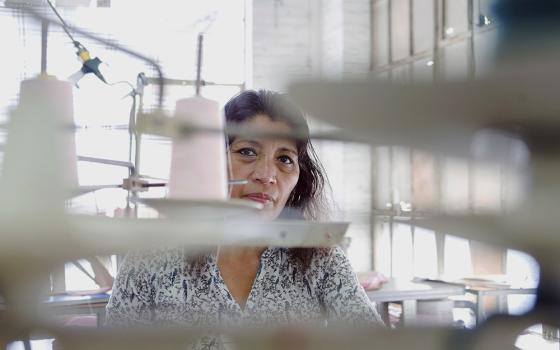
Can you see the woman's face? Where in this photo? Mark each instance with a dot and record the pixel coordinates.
(270, 165)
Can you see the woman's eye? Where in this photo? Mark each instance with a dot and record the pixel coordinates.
(285, 160)
(248, 152)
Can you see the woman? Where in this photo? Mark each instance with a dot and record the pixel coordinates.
(254, 286)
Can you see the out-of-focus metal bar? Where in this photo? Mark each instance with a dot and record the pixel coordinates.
(437, 39)
(119, 163)
(44, 42)
(187, 82)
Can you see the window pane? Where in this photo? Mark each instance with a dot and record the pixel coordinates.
(359, 251)
(380, 32)
(383, 165)
(424, 185)
(485, 51)
(487, 259)
(400, 29)
(425, 254)
(457, 260)
(456, 17)
(455, 60)
(100, 143)
(402, 251)
(155, 157)
(487, 187)
(382, 249)
(423, 25)
(454, 185)
(356, 186)
(402, 172)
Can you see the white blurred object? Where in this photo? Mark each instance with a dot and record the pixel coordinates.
(201, 209)
(73, 3)
(443, 116)
(39, 170)
(20, 3)
(198, 162)
(40, 162)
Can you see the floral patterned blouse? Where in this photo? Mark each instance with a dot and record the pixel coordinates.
(166, 288)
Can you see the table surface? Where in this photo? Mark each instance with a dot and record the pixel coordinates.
(401, 290)
(77, 300)
(394, 290)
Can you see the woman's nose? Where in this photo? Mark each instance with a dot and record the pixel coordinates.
(264, 172)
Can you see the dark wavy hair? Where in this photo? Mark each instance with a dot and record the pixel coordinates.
(307, 200)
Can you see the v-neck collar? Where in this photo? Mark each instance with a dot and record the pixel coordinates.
(251, 298)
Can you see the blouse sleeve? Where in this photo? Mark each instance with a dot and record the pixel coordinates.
(340, 293)
(132, 299)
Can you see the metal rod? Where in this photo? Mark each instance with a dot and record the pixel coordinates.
(444, 20)
(391, 191)
(128, 165)
(374, 173)
(237, 182)
(390, 32)
(472, 56)
(137, 148)
(131, 128)
(199, 63)
(372, 33)
(411, 43)
(187, 82)
(437, 38)
(44, 42)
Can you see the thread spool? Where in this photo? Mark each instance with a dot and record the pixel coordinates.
(198, 163)
(40, 163)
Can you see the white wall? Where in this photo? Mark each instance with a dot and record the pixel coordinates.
(300, 39)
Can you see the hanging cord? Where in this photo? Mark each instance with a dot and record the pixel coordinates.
(64, 26)
(90, 65)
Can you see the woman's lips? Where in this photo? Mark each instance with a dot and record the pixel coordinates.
(259, 197)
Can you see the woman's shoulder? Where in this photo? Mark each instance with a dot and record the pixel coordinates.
(316, 257)
(328, 256)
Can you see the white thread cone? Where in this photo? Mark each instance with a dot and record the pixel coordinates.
(198, 162)
(40, 163)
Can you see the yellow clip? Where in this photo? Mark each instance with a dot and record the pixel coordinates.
(84, 55)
